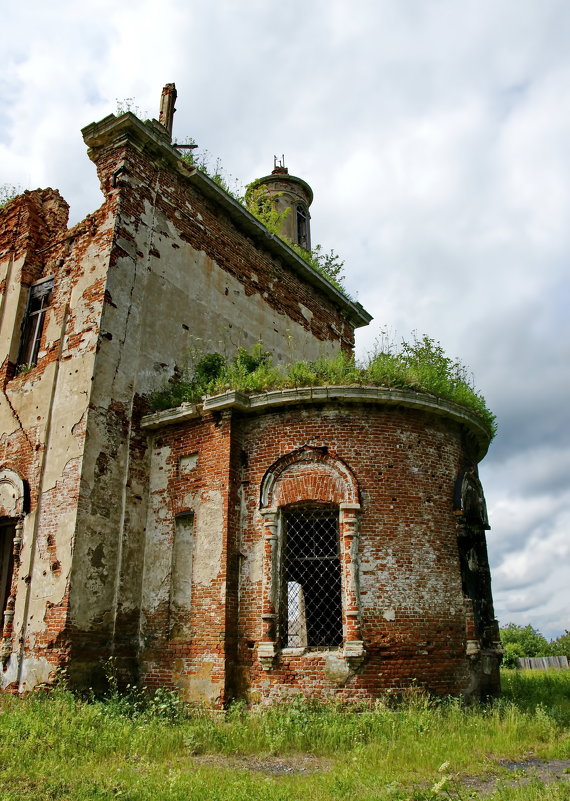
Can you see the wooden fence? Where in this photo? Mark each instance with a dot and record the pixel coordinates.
(543, 662)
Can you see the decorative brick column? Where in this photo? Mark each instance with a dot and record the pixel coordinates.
(267, 648)
(353, 644)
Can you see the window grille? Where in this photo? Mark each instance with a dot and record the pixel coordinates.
(38, 302)
(311, 612)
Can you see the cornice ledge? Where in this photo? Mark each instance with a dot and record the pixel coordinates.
(186, 411)
(149, 135)
(328, 394)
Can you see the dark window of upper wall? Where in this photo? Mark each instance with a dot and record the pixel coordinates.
(33, 324)
(311, 609)
(303, 227)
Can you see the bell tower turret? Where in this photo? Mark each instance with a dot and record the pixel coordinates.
(289, 192)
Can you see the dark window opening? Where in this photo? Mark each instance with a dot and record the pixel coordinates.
(311, 611)
(303, 228)
(476, 578)
(6, 565)
(33, 325)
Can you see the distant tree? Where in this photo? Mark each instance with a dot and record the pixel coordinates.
(561, 645)
(520, 641)
(511, 652)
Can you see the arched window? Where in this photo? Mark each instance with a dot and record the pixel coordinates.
(7, 533)
(309, 502)
(14, 498)
(303, 227)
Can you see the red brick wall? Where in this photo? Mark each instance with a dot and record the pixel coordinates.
(405, 464)
(201, 657)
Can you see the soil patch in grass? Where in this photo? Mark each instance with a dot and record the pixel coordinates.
(295, 765)
(525, 771)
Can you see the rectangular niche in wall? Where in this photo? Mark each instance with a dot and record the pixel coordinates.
(187, 463)
(181, 576)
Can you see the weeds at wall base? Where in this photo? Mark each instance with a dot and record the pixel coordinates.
(376, 751)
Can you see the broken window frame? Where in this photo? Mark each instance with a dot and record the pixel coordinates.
(39, 299)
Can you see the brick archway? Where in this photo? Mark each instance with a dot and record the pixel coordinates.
(308, 474)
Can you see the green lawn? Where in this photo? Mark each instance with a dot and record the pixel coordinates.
(54, 746)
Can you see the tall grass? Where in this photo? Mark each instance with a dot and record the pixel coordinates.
(532, 690)
(55, 746)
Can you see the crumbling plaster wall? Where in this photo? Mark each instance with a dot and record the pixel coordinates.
(43, 411)
(160, 269)
(182, 277)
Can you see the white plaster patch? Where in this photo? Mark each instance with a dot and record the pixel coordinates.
(208, 537)
(34, 672)
(159, 469)
(336, 668)
(11, 673)
(188, 501)
(188, 463)
(158, 549)
(8, 499)
(252, 569)
(389, 614)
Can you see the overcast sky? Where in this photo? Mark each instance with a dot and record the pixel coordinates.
(435, 135)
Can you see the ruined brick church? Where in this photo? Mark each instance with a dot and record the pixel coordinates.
(328, 541)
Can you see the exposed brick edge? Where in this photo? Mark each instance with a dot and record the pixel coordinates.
(150, 136)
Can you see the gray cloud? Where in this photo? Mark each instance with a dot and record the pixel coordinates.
(435, 137)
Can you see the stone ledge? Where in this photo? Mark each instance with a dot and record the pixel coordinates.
(166, 417)
(380, 396)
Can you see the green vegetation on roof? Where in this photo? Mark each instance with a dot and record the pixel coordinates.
(8, 192)
(420, 365)
(328, 264)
